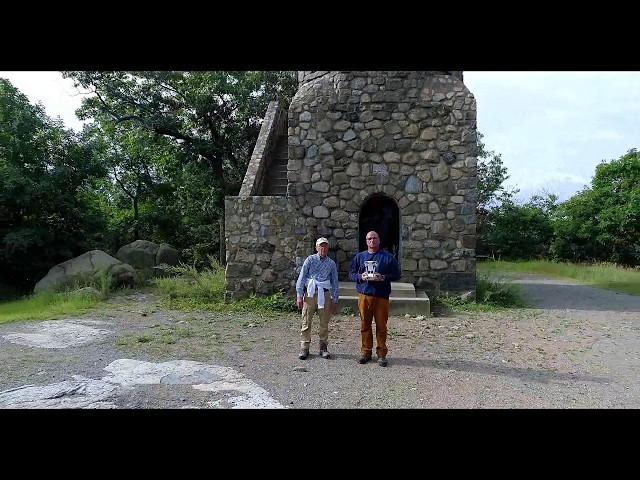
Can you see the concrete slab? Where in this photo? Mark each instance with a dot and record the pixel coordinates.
(398, 289)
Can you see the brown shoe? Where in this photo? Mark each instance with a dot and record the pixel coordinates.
(364, 359)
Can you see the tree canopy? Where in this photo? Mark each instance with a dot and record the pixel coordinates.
(602, 223)
(196, 130)
(161, 150)
(46, 178)
(214, 117)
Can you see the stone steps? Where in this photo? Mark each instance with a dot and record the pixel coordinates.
(404, 298)
(278, 183)
(398, 289)
(281, 150)
(278, 172)
(276, 177)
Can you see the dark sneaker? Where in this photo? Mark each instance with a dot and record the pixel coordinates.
(323, 350)
(382, 362)
(364, 359)
(304, 353)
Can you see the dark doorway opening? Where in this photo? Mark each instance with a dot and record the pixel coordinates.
(380, 213)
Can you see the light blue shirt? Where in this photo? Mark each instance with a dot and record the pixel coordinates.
(321, 269)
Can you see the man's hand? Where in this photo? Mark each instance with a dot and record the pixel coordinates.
(378, 277)
(364, 276)
(299, 302)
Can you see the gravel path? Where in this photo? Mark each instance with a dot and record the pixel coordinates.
(578, 348)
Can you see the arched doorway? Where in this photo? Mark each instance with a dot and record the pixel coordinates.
(380, 213)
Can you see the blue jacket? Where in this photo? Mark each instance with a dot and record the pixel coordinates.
(387, 266)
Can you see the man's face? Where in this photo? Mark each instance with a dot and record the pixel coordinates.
(322, 249)
(373, 241)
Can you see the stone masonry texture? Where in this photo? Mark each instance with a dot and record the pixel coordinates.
(406, 135)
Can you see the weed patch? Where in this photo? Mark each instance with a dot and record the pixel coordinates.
(189, 289)
(491, 295)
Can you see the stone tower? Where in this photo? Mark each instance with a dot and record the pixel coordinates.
(393, 152)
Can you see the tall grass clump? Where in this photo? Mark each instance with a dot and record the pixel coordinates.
(185, 282)
(101, 282)
(497, 293)
(491, 294)
(189, 288)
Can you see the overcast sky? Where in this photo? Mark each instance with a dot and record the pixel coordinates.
(552, 128)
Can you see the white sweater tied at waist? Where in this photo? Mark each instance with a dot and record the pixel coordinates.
(314, 284)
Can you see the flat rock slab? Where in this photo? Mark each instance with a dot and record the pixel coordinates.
(58, 334)
(237, 390)
(208, 378)
(78, 393)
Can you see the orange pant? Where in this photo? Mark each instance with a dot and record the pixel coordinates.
(373, 308)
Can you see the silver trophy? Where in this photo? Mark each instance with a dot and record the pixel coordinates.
(370, 268)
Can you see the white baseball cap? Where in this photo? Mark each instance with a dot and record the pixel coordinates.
(321, 240)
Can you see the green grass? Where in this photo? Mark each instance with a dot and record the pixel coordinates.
(601, 275)
(59, 302)
(491, 295)
(46, 306)
(190, 289)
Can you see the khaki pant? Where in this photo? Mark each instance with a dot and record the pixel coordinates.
(373, 308)
(309, 308)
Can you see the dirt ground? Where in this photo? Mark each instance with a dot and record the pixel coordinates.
(578, 347)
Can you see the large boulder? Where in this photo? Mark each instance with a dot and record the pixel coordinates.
(167, 255)
(87, 266)
(145, 255)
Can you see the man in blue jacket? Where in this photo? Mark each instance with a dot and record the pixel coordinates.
(373, 271)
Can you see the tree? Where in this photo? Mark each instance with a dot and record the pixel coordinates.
(213, 118)
(46, 173)
(491, 192)
(522, 231)
(133, 160)
(491, 176)
(602, 223)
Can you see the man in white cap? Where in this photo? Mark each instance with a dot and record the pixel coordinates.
(319, 277)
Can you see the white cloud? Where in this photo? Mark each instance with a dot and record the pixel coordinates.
(57, 94)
